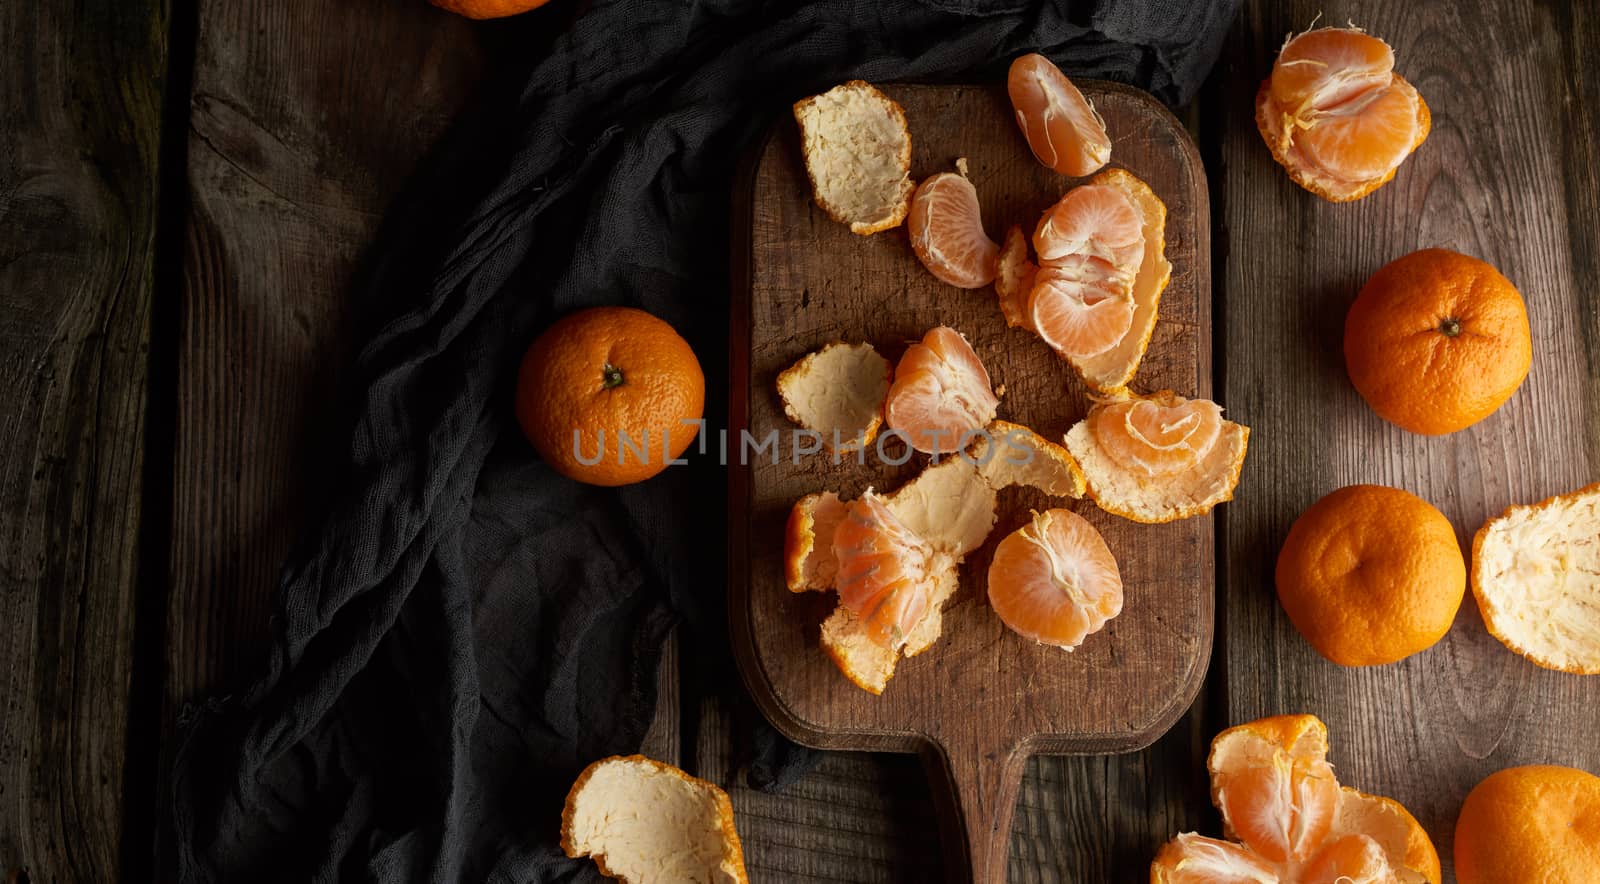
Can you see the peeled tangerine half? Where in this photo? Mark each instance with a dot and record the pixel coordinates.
(1289, 821)
(1054, 580)
(1336, 115)
(1095, 291)
(1063, 130)
(947, 231)
(1158, 458)
(1536, 575)
(893, 558)
(838, 393)
(941, 393)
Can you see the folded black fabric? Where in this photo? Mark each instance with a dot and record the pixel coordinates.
(461, 629)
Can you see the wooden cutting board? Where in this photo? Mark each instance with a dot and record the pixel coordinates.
(983, 699)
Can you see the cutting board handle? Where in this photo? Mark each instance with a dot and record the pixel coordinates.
(975, 788)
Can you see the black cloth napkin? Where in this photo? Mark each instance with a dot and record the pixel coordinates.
(461, 629)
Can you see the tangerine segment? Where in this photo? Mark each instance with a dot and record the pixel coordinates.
(941, 393)
(883, 573)
(1283, 809)
(1063, 130)
(1365, 137)
(1076, 317)
(1013, 281)
(947, 232)
(1404, 842)
(1054, 580)
(1094, 221)
(1351, 859)
(1155, 439)
(1326, 66)
(1193, 859)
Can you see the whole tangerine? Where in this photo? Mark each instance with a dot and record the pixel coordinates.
(1540, 822)
(1436, 341)
(610, 395)
(1370, 575)
(482, 9)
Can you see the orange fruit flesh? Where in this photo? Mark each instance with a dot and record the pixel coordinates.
(947, 232)
(1061, 126)
(1077, 317)
(1151, 439)
(1336, 115)
(1090, 245)
(1282, 810)
(1279, 797)
(1054, 580)
(1193, 859)
(1092, 220)
(941, 393)
(883, 571)
(1326, 66)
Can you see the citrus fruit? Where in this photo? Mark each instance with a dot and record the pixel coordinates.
(610, 395)
(1148, 438)
(941, 515)
(947, 231)
(1089, 222)
(1290, 820)
(1536, 576)
(1336, 116)
(1111, 369)
(1054, 580)
(1436, 341)
(642, 820)
(482, 9)
(857, 149)
(1013, 280)
(1063, 130)
(1160, 457)
(1371, 575)
(1534, 823)
(941, 393)
(883, 571)
(837, 392)
(1101, 270)
(1010, 454)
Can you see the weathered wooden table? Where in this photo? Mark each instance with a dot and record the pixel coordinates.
(186, 192)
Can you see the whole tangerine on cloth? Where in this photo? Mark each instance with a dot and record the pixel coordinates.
(1370, 575)
(610, 395)
(482, 9)
(1535, 823)
(1436, 341)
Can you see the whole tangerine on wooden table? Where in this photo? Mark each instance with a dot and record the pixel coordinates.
(610, 395)
(1540, 823)
(1436, 341)
(1370, 575)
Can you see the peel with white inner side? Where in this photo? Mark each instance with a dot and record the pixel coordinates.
(857, 150)
(838, 393)
(1536, 576)
(951, 509)
(1147, 496)
(644, 822)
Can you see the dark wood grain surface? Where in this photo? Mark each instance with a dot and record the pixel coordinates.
(80, 132)
(981, 700)
(304, 121)
(303, 124)
(1506, 175)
